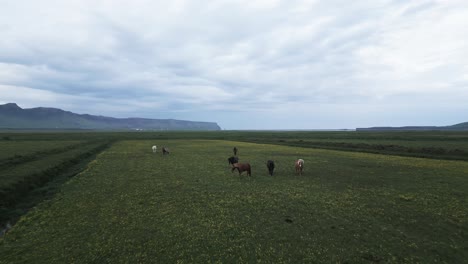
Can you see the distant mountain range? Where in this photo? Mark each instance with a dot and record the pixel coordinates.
(457, 127)
(14, 117)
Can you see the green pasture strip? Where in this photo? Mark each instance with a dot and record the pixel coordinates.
(457, 146)
(331, 136)
(134, 206)
(461, 146)
(450, 145)
(18, 160)
(429, 144)
(12, 150)
(423, 149)
(18, 180)
(10, 213)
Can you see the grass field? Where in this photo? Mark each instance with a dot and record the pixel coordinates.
(31, 170)
(451, 145)
(132, 206)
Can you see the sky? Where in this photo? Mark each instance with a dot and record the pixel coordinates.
(245, 64)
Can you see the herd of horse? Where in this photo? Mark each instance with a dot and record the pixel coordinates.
(241, 167)
(165, 150)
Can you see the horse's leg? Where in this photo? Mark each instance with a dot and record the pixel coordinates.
(240, 172)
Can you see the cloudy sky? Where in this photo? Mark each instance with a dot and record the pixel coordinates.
(245, 64)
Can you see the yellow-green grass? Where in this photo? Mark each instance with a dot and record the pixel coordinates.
(132, 205)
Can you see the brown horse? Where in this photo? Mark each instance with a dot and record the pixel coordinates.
(299, 165)
(241, 167)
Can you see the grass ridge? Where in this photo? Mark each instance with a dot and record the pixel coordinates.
(14, 194)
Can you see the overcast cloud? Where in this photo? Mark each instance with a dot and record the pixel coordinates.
(265, 64)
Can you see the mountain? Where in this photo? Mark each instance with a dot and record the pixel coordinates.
(461, 126)
(14, 117)
(456, 127)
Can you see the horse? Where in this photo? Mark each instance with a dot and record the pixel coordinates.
(299, 165)
(271, 167)
(233, 160)
(154, 148)
(241, 167)
(235, 151)
(165, 150)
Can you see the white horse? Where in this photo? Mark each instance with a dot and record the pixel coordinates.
(155, 148)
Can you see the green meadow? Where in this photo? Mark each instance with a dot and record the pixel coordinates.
(130, 205)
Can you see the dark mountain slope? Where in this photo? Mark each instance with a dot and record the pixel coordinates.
(14, 117)
(456, 127)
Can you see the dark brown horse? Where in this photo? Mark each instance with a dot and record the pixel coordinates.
(299, 165)
(233, 160)
(271, 167)
(165, 150)
(235, 151)
(241, 167)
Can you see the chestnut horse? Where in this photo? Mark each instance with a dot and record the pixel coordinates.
(299, 165)
(241, 167)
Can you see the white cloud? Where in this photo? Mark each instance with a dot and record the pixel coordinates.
(27, 97)
(234, 56)
(422, 52)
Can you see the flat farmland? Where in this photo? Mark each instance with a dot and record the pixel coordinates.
(429, 144)
(133, 206)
